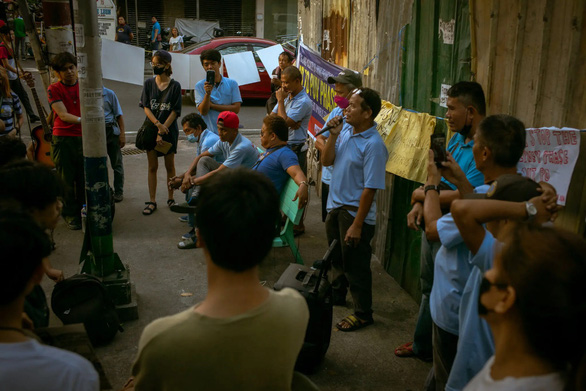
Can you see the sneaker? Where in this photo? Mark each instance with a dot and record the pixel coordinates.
(183, 208)
(188, 235)
(184, 219)
(118, 197)
(73, 224)
(188, 244)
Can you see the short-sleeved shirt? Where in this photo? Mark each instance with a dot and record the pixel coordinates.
(462, 154)
(123, 33)
(359, 164)
(242, 152)
(225, 92)
(207, 140)
(19, 30)
(156, 26)
(6, 53)
(9, 107)
(172, 102)
(274, 163)
(112, 109)
(174, 43)
(451, 271)
(297, 109)
(28, 366)
(69, 96)
(475, 342)
(326, 171)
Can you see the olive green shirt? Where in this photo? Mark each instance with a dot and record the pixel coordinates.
(255, 350)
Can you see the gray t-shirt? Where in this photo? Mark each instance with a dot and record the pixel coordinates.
(30, 366)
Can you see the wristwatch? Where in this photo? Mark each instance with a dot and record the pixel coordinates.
(431, 187)
(531, 211)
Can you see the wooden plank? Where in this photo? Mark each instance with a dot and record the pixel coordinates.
(542, 66)
(572, 75)
(492, 50)
(517, 56)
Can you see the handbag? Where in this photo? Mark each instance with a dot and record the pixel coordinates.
(146, 137)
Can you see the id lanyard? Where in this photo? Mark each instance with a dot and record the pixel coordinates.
(264, 155)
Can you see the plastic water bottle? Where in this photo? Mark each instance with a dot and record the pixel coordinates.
(83, 217)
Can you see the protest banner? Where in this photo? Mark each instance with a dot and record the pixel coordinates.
(550, 156)
(315, 71)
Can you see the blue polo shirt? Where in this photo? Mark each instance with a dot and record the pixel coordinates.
(462, 154)
(451, 272)
(359, 164)
(298, 109)
(241, 153)
(274, 163)
(112, 109)
(156, 26)
(207, 140)
(475, 343)
(224, 93)
(326, 172)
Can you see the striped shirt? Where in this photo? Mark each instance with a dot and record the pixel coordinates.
(7, 106)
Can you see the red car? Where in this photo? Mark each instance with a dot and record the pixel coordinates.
(230, 45)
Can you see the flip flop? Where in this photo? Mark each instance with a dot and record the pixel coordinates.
(354, 322)
(405, 350)
(147, 211)
(170, 202)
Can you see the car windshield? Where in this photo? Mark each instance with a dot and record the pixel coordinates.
(191, 48)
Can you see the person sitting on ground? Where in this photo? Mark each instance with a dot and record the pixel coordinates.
(25, 364)
(36, 189)
(279, 163)
(195, 127)
(242, 336)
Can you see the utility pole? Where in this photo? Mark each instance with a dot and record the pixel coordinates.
(31, 32)
(101, 260)
(58, 27)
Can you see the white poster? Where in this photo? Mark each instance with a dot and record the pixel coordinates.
(180, 64)
(196, 71)
(107, 20)
(242, 68)
(550, 156)
(122, 62)
(270, 57)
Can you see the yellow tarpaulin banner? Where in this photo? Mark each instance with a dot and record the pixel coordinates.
(407, 137)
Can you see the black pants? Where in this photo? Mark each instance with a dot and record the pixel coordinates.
(325, 190)
(18, 89)
(445, 346)
(351, 265)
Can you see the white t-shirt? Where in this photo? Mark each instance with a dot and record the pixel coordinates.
(483, 381)
(30, 366)
(174, 43)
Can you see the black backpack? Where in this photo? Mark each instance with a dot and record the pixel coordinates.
(82, 298)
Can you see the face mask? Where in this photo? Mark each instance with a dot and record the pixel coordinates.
(485, 287)
(341, 101)
(158, 70)
(466, 128)
(191, 138)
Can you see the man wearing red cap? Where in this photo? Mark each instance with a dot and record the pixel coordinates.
(236, 150)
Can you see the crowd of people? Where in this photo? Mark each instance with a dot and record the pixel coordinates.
(503, 293)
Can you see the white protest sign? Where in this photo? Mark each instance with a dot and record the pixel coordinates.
(550, 156)
(242, 68)
(180, 64)
(122, 62)
(270, 57)
(196, 71)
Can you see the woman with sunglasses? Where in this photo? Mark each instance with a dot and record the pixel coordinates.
(161, 101)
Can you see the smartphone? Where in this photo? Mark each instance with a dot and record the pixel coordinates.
(211, 77)
(438, 146)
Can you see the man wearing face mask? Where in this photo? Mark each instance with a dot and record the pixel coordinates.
(466, 108)
(344, 83)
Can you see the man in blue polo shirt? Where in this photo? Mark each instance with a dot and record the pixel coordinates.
(155, 34)
(294, 106)
(223, 95)
(359, 156)
(466, 108)
(280, 163)
(115, 139)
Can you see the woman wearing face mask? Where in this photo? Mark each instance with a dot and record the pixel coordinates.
(344, 84)
(285, 60)
(161, 101)
(176, 41)
(534, 299)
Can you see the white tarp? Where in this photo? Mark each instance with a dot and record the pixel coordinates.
(550, 156)
(202, 29)
(122, 62)
(242, 68)
(270, 57)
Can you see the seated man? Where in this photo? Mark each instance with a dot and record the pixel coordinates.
(25, 364)
(279, 163)
(242, 336)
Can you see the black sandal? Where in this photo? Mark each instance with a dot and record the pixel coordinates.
(170, 202)
(147, 211)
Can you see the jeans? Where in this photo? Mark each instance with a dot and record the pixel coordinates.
(115, 155)
(67, 154)
(18, 89)
(21, 47)
(422, 338)
(351, 265)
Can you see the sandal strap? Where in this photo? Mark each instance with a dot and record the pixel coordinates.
(150, 203)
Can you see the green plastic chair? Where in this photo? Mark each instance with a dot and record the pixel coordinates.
(291, 210)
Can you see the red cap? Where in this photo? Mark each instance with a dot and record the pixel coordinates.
(230, 119)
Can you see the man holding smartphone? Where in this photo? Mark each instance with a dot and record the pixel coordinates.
(215, 93)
